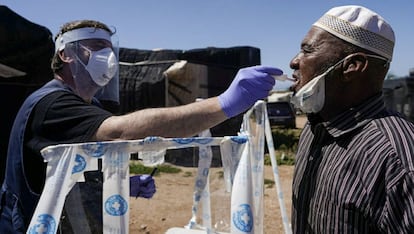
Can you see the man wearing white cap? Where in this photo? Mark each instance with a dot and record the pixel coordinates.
(65, 111)
(354, 170)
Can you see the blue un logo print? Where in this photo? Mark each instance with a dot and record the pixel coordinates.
(243, 218)
(46, 224)
(239, 139)
(96, 150)
(116, 205)
(80, 164)
(183, 141)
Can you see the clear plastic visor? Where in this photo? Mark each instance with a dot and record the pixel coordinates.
(77, 45)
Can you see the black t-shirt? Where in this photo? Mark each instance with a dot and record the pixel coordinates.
(58, 118)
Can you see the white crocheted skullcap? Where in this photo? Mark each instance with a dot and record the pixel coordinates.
(361, 27)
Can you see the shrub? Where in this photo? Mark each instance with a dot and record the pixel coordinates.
(138, 168)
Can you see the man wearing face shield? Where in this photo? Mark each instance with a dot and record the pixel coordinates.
(65, 111)
(354, 170)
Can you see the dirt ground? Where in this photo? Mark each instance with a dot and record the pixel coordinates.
(171, 204)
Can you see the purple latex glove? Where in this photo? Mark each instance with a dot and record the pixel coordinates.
(250, 85)
(141, 186)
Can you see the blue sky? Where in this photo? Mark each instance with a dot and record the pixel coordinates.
(275, 27)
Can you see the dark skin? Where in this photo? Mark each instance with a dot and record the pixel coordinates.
(357, 78)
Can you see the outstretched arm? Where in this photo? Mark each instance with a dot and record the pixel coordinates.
(180, 121)
(249, 85)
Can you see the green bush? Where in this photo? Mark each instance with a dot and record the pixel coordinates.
(286, 138)
(138, 168)
(286, 144)
(268, 183)
(282, 158)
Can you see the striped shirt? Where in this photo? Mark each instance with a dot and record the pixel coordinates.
(355, 173)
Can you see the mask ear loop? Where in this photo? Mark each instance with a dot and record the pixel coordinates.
(331, 68)
(387, 61)
(89, 53)
(386, 64)
(71, 50)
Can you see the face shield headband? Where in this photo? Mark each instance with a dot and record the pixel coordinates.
(81, 34)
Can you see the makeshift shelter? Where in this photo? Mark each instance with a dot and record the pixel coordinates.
(399, 95)
(158, 78)
(148, 78)
(25, 53)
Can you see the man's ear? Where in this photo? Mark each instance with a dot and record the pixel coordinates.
(63, 57)
(354, 65)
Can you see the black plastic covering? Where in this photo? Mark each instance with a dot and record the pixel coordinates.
(27, 47)
(143, 85)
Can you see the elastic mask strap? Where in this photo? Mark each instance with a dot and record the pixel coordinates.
(333, 66)
(367, 55)
(387, 64)
(371, 56)
(85, 48)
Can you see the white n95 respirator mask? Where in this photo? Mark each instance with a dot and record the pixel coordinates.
(101, 66)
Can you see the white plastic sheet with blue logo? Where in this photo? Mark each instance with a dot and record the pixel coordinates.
(242, 158)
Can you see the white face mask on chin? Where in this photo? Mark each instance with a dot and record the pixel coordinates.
(311, 97)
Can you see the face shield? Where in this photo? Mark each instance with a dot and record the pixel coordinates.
(93, 61)
(108, 95)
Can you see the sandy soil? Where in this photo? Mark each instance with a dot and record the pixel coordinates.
(300, 121)
(171, 204)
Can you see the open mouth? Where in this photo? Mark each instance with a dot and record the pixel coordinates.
(296, 81)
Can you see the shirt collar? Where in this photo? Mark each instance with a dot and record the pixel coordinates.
(355, 117)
